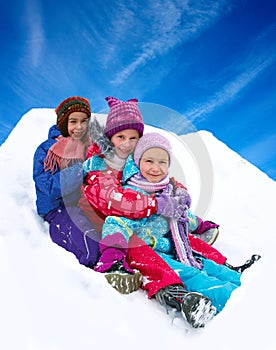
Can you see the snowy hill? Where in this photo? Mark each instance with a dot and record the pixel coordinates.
(49, 301)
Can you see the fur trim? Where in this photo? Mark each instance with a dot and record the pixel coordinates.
(98, 136)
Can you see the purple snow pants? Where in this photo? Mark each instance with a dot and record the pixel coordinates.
(72, 230)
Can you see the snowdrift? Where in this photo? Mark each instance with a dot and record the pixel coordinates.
(49, 301)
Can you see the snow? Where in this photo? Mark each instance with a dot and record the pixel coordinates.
(49, 301)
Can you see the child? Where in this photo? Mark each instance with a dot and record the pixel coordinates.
(58, 175)
(152, 155)
(103, 190)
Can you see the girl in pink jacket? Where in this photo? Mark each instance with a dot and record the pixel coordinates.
(102, 195)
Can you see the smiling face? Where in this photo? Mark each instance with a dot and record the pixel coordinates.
(77, 125)
(125, 142)
(154, 164)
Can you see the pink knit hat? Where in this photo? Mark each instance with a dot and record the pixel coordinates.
(123, 116)
(151, 140)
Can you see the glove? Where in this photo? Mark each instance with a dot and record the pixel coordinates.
(184, 195)
(168, 205)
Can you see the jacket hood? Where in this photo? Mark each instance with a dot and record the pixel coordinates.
(130, 169)
(53, 132)
(98, 136)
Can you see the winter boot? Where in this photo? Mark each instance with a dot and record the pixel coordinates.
(246, 265)
(209, 236)
(113, 264)
(196, 308)
(207, 231)
(123, 282)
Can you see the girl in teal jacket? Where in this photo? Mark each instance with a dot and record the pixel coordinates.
(169, 237)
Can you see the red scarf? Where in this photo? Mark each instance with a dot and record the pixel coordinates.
(66, 151)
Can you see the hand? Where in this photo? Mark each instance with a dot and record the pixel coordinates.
(184, 195)
(168, 205)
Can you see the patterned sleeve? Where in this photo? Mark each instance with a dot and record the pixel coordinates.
(105, 193)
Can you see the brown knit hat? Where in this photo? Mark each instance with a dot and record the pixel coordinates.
(68, 106)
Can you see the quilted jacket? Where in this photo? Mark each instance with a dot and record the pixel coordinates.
(104, 192)
(55, 190)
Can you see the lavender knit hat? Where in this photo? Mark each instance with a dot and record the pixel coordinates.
(123, 116)
(150, 140)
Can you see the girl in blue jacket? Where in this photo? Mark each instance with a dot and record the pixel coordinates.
(58, 175)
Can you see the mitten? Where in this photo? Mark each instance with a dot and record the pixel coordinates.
(184, 196)
(169, 206)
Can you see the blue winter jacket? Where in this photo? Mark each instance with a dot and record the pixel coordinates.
(62, 187)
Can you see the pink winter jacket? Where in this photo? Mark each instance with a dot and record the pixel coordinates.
(103, 195)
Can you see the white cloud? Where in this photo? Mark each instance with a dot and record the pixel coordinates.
(257, 61)
(170, 24)
(35, 39)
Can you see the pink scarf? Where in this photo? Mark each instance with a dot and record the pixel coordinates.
(66, 151)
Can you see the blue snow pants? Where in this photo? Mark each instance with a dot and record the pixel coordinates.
(214, 281)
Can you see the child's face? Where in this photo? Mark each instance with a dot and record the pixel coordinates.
(77, 125)
(125, 142)
(154, 164)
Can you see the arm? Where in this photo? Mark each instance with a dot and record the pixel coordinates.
(161, 244)
(59, 184)
(154, 233)
(104, 192)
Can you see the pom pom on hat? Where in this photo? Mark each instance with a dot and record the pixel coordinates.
(123, 116)
(151, 140)
(68, 106)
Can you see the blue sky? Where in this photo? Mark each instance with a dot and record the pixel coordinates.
(214, 62)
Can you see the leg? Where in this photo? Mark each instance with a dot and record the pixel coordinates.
(211, 281)
(206, 250)
(165, 285)
(246, 265)
(205, 230)
(114, 245)
(156, 271)
(113, 250)
(71, 229)
(221, 272)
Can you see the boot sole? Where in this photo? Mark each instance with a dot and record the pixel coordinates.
(214, 237)
(197, 310)
(210, 238)
(124, 283)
